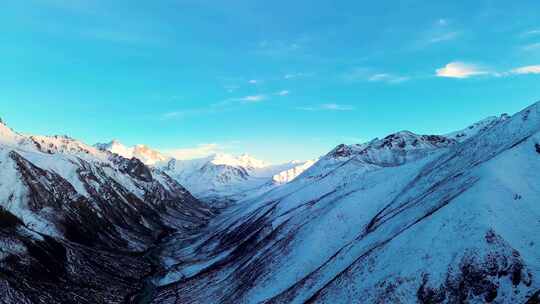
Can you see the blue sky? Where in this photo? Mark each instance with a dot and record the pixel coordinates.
(277, 79)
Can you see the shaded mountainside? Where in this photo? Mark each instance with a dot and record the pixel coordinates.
(75, 221)
(404, 219)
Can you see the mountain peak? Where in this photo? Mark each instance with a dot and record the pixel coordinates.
(144, 153)
(7, 135)
(244, 160)
(477, 127)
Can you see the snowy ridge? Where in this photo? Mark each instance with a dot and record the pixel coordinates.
(289, 175)
(477, 127)
(145, 154)
(219, 178)
(462, 216)
(72, 215)
(80, 171)
(223, 177)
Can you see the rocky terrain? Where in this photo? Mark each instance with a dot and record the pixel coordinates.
(408, 218)
(404, 219)
(218, 179)
(76, 221)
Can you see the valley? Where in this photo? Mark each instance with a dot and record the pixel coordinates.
(407, 218)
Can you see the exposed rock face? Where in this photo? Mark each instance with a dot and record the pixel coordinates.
(76, 221)
(404, 219)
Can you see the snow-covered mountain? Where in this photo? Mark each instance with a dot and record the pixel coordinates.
(289, 175)
(74, 220)
(219, 178)
(405, 219)
(224, 178)
(479, 126)
(145, 154)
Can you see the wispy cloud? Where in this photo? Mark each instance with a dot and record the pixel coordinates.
(290, 76)
(460, 70)
(531, 69)
(442, 30)
(231, 88)
(327, 107)
(388, 78)
(199, 151)
(531, 33)
(252, 98)
(180, 114)
(366, 74)
(443, 37)
(224, 105)
(254, 81)
(442, 22)
(283, 93)
(531, 47)
(278, 48)
(463, 70)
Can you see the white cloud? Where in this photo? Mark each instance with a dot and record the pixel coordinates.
(366, 74)
(531, 69)
(458, 69)
(253, 81)
(277, 48)
(327, 107)
(442, 22)
(199, 151)
(531, 33)
(231, 88)
(389, 78)
(444, 37)
(189, 112)
(283, 93)
(252, 98)
(170, 115)
(531, 47)
(296, 75)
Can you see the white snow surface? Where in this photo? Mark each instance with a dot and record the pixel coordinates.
(61, 155)
(223, 177)
(145, 154)
(219, 178)
(376, 222)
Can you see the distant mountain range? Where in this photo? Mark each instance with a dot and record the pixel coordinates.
(407, 218)
(218, 178)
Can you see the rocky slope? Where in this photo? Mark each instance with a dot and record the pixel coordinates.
(218, 179)
(405, 219)
(75, 221)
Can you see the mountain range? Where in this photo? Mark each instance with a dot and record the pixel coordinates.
(408, 218)
(218, 178)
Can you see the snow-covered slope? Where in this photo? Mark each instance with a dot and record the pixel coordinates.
(217, 179)
(145, 154)
(74, 220)
(412, 218)
(289, 175)
(479, 126)
(223, 178)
